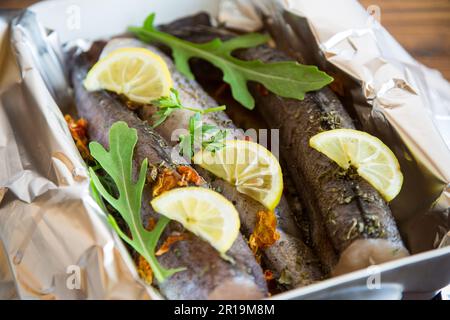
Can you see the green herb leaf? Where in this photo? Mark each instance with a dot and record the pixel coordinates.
(207, 136)
(166, 106)
(288, 79)
(169, 104)
(117, 163)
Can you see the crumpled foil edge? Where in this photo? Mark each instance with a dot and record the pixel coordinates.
(51, 229)
(393, 96)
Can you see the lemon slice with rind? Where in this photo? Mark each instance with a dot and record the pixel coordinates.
(253, 169)
(202, 211)
(373, 160)
(138, 73)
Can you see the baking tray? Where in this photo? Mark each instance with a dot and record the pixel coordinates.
(417, 276)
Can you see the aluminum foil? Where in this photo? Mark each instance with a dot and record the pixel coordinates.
(393, 96)
(55, 240)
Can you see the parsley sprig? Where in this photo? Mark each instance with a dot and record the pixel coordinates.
(167, 105)
(206, 136)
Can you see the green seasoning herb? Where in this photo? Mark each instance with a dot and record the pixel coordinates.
(284, 278)
(373, 227)
(287, 79)
(330, 121)
(117, 163)
(208, 136)
(167, 105)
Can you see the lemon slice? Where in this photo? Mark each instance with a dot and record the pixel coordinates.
(204, 212)
(374, 161)
(253, 169)
(139, 74)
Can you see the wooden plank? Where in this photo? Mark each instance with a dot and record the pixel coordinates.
(16, 4)
(422, 27)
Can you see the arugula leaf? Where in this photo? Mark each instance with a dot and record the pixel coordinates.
(288, 79)
(117, 163)
(97, 197)
(207, 136)
(169, 104)
(105, 179)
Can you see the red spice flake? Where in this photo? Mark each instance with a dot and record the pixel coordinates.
(170, 240)
(268, 275)
(78, 130)
(248, 138)
(272, 284)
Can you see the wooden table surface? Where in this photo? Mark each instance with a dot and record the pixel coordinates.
(421, 26)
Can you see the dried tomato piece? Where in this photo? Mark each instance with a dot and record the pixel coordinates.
(189, 175)
(165, 181)
(170, 240)
(265, 232)
(145, 272)
(78, 130)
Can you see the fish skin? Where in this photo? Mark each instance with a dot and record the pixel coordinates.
(289, 255)
(208, 275)
(342, 210)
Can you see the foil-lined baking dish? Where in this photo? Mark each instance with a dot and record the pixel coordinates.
(51, 225)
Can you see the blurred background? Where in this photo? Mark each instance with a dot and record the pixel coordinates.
(422, 27)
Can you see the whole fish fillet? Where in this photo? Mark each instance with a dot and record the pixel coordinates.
(207, 274)
(351, 225)
(289, 257)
